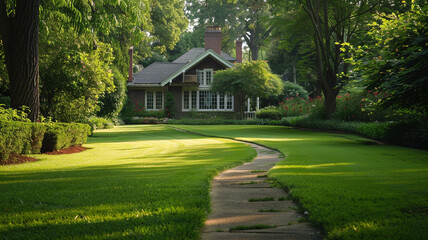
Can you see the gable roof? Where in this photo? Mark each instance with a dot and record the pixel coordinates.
(156, 72)
(162, 73)
(195, 52)
(195, 61)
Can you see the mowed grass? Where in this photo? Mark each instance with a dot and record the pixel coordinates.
(135, 182)
(352, 187)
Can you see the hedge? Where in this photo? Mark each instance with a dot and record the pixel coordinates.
(26, 137)
(409, 134)
(14, 138)
(63, 135)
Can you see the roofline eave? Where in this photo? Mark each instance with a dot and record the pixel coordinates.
(194, 62)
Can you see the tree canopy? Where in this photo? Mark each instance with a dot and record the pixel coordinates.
(247, 80)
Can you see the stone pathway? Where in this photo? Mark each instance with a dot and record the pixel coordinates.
(237, 209)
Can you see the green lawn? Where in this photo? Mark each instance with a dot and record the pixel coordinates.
(352, 187)
(143, 182)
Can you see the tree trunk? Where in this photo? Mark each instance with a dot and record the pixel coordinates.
(254, 53)
(329, 104)
(21, 46)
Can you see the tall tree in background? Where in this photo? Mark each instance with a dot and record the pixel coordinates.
(291, 52)
(335, 22)
(243, 18)
(19, 26)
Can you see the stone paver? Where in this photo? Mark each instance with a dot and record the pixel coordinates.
(231, 192)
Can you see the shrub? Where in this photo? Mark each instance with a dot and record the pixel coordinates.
(14, 138)
(215, 121)
(144, 120)
(294, 90)
(269, 113)
(100, 123)
(137, 110)
(37, 134)
(292, 107)
(410, 134)
(63, 135)
(169, 105)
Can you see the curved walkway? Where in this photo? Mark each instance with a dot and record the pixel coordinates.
(245, 206)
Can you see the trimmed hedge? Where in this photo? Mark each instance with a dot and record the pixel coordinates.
(26, 137)
(409, 134)
(14, 138)
(269, 113)
(63, 135)
(214, 121)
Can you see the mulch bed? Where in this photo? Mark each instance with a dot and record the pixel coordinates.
(69, 150)
(18, 159)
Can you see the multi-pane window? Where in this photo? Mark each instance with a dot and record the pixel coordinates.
(208, 76)
(186, 100)
(154, 100)
(207, 101)
(221, 101)
(205, 77)
(194, 100)
(150, 100)
(229, 101)
(200, 76)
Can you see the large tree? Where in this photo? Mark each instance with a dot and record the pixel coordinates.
(247, 80)
(19, 24)
(335, 22)
(243, 18)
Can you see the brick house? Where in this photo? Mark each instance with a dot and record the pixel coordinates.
(188, 78)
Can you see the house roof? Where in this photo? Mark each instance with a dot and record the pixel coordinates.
(156, 72)
(195, 52)
(162, 73)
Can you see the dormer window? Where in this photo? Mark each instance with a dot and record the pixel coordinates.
(205, 77)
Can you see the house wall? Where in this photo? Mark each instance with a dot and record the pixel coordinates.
(137, 96)
(177, 92)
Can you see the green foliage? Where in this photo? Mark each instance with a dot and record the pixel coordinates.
(215, 121)
(292, 107)
(9, 114)
(250, 79)
(333, 175)
(99, 123)
(394, 59)
(169, 111)
(125, 184)
(293, 90)
(73, 77)
(37, 135)
(168, 21)
(269, 113)
(112, 102)
(62, 135)
(14, 138)
(410, 134)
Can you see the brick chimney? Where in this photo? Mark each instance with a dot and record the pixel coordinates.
(130, 69)
(238, 51)
(213, 39)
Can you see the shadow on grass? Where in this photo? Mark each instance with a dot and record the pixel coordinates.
(164, 224)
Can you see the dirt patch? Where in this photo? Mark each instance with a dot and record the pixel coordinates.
(17, 159)
(69, 150)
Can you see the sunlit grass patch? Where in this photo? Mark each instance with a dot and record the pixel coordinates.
(147, 182)
(353, 190)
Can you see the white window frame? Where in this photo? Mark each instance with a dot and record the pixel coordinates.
(154, 100)
(196, 108)
(203, 83)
